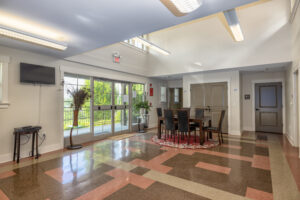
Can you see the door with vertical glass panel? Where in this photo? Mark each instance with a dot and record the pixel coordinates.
(121, 107)
(102, 109)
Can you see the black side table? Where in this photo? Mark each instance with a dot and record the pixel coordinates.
(34, 130)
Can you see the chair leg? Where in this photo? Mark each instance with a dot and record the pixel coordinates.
(195, 135)
(222, 137)
(219, 137)
(174, 135)
(189, 138)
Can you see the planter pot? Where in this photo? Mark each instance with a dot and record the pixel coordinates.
(142, 112)
(75, 117)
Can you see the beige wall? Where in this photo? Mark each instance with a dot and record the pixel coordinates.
(233, 80)
(24, 100)
(248, 79)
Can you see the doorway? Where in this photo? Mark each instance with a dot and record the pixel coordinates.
(213, 98)
(111, 107)
(268, 107)
(175, 98)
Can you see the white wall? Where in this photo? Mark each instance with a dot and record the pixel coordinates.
(175, 83)
(233, 80)
(24, 100)
(292, 134)
(248, 81)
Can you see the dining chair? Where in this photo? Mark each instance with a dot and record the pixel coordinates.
(184, 125)
(199, 113)
(170, 125)
(218, 129)
(159, 114)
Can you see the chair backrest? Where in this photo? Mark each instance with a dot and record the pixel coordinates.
(159, 112)
(221, 119)
(169, 121)
(183, 120)
(199, 113)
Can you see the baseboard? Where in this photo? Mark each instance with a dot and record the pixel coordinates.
(248, 128)
(234, 132)
(291, 140)
(46, 149)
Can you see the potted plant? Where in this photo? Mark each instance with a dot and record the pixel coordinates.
(143, 107)
(79, 97)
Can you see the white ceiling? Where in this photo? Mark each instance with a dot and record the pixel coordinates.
(87, 25)
(207, 40)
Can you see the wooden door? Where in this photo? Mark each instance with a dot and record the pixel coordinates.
(175, 98)
(268, 107)
(213, 98)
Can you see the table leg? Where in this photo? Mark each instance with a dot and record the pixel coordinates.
(15, 146)
(37, 145)
(32, 145)
(209, 133)
(201, 135)
(158, 129)
(19, 144)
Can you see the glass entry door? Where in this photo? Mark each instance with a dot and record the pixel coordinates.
(102, 109)
(111, 107)
(121, 107)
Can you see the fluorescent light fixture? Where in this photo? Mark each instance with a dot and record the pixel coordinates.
(182, 7)
(186, 6)
(234, 24)
(19, 35)
(151, 45)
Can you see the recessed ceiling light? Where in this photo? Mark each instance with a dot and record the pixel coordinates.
(151, 45)
(182, 7)
(19, 35)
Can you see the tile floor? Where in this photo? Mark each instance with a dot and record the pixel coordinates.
(255, 166)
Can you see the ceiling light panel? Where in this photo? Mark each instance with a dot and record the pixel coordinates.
(234, 24)
(182, 7)
(18, 35)
(186, 6)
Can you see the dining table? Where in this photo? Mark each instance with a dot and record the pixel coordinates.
(200, 122)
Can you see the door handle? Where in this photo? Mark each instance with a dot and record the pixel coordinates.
(257, 109)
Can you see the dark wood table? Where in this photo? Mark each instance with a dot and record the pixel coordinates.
(191, 120)
(18, 132)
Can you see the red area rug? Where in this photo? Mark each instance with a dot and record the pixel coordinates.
(183, 144)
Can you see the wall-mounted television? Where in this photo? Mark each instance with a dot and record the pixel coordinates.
(37, 74)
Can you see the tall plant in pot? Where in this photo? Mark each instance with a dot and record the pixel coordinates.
(79, 96)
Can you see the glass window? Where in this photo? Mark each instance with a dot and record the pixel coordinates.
(136, 43)
(163, 94)
(138, 95)
(76, 82)
(176, 95)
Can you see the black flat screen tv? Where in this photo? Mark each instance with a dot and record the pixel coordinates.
(37, 74)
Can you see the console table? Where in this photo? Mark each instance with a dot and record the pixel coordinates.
(18, 132)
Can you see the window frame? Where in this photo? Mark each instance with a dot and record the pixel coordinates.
(4, 103)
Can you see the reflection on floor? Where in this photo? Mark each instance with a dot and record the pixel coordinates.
(251, 167)
(98, 130)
